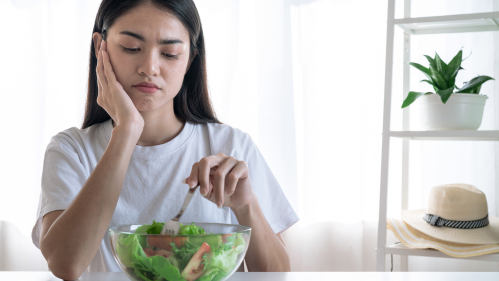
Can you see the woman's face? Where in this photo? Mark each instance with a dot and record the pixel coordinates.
(149, 45)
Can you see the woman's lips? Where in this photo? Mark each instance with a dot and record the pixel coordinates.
(148, 90)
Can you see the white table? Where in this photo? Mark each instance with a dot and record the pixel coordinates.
(277, 276)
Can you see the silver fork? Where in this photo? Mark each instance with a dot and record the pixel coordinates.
(172, 226)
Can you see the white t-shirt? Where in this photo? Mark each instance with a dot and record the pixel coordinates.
(153, 187)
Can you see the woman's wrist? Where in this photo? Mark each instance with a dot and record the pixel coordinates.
(131, 132)
(245, 209)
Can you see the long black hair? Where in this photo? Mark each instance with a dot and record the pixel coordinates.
(192, 103)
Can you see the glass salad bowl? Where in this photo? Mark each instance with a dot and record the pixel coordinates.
(202, 251)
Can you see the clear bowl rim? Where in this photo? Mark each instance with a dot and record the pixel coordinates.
(197, 235)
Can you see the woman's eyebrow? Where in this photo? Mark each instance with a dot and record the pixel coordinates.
(160, 42)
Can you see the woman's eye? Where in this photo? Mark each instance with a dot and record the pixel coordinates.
(175, 57)
(129, 50)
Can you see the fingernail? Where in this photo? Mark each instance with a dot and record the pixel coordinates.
(183, 181)
(219, 204)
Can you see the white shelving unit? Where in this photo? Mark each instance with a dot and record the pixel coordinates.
(447, 135)
(478, 22)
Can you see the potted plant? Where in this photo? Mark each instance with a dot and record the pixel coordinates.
(450, 107)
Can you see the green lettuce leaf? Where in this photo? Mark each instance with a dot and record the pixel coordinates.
(190, 229)
(164, 268)
(155, 228)
(142, 230)
(223, 260)
(131, 254)
(214, 241)
(152, 268)
(127, 248)
(185, 253)
(209, 274)
(240, 243)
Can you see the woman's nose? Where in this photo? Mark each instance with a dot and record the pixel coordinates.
(149, 65)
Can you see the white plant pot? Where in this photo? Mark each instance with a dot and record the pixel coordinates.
(460, 112)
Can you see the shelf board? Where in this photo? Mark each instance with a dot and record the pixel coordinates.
(450, 24)
(458, 135)
(399, 249)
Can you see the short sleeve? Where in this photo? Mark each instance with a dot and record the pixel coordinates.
(275, 206)
(63, 176)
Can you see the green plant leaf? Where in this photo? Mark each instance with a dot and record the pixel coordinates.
(433, 63)
(422, 68)
(427, 81)
(445, 94)
(452, 82)
(437, 78)
(474, 84)
(471, 52)
(411, 97)
(476, 90)
(454, 66)
(441, 66)
(431, 83)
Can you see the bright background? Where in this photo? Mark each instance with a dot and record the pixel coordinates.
(303, 78)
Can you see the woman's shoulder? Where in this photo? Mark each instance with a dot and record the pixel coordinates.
(223, 133)
(228, 139)
(77, 138)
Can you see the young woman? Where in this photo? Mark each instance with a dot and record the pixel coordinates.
(149, 131)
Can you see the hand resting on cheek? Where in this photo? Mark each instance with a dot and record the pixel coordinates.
(112, 97)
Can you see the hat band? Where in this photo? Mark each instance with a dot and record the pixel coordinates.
(438, 221)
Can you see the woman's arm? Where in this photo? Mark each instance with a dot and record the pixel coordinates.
(266, 251)
(71, 241)
(225, 181)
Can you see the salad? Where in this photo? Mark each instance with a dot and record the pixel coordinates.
(205, 257)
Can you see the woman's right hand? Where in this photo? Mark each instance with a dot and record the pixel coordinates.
(112, 97)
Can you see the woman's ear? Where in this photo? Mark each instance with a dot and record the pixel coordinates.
(97, 39)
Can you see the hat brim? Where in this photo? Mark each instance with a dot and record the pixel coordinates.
(484, 235)
(415, 239)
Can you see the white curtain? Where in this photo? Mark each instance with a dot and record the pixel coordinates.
(303, 78)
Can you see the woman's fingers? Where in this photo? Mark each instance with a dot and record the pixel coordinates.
(100, 68)
(205, 166)
(192, 180)
(219, 179)
(239, 171)
(217, 176)
(99, 82)
(108, 68)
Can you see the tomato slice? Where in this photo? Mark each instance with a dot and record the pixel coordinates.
(151, 252)
(163, 242)
(194, 269)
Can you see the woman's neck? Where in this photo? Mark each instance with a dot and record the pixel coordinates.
(159, 129)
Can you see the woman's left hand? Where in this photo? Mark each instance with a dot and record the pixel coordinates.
(223, 180)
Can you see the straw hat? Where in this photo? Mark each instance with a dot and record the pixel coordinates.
(456, 213)
(414, 239)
